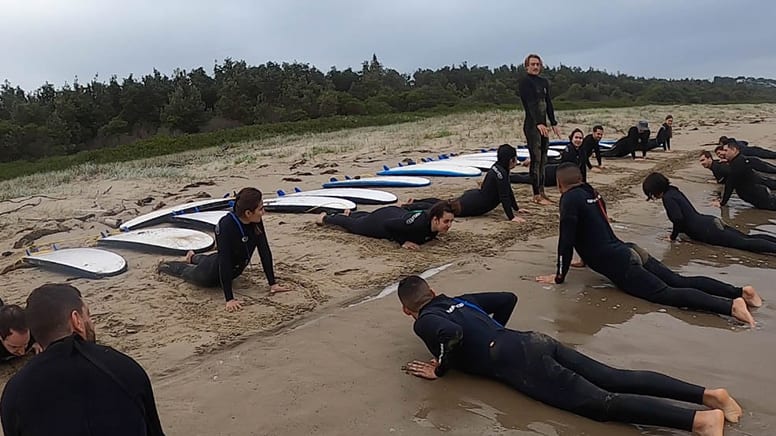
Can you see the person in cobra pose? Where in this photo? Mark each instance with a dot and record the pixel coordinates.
(584, 226)
(468, 333)
(750, 186)
(238, 234)
(704, 228)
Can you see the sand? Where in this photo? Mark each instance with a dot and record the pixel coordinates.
(298, 363)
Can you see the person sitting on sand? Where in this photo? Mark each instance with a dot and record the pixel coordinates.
(749, 185)
(704, 228)
(238, 234)
(749, 150)
(410, 229)
(468, 333)
(14, 333)
(584, 226)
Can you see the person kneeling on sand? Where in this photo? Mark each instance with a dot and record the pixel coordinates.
(409, 228)
(468, 333)
(238, 234)
(584, 226)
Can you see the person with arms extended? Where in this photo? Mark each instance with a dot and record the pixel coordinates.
(75, 387)
(749, 150)
(468, 333)
(537, 103)
(238, 235)
(665, 133)
(719, 169)
(750, 186)
(704, 228)
(591, 144)
(584, 226)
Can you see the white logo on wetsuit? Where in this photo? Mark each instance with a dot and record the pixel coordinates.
(593, 200)
(452, 308)
(412, 219)
(498, 173)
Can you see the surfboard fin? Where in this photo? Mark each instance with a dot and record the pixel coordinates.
(296, 189)
(280, 192)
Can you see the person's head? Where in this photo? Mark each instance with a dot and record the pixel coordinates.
(643, 126)
(14, 333)
(414, 293)
(655, 185)
(441, 215)
(248, 205)
(55, 311)
(731, 150)
(598, 132)
(723, 140)
(720, 151)
(669, 120)
(568, 175)
(533, 64)
(506, 156)
(706, 159)
(576, 137)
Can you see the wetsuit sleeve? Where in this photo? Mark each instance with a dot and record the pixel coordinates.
(498, 304)
(507, 197)
(674, 212)
(441, 336)
(730, 183)
(550, 108)
(633, 140)
(530, 100)
(265, 254)
(225, 238)
(569, 217)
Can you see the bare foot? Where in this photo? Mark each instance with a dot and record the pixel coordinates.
(189, 255)
(320, 218)
(538, 199)
(721, 399)
(346, 212)
(741, 312)
(577, 263)
(751, 297)
(708, 423)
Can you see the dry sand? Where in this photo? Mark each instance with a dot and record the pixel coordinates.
(339, 373)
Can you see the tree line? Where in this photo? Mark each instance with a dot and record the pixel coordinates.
(77, 117)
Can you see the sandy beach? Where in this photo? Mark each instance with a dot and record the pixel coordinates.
(314, 362)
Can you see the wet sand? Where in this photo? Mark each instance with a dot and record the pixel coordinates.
(307, 365)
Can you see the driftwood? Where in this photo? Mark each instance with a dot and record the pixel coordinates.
(22, 200)
(14, 266)
(20, 208)
(32, 236)
(198, 184)
(291, 179)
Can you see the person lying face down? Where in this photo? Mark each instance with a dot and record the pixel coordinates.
(14, 333)
(410, 229)
(468, 333)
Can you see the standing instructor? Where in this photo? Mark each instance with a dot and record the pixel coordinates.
(537, 103)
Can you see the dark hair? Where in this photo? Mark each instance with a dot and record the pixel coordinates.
(247, 199)
(598, 127)
(732, 143)
(414, 292)
(528, 58)
(439, 209)
(706, 154)
(669, 117)
(505, 154)
(48, 311)
(571, 135)
(11, 318)
(654, 184)
(723, 140)
(718, 148)
(568, 173)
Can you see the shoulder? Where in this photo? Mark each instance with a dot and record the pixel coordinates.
(497, 171)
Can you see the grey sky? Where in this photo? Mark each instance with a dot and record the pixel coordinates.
(56, 40)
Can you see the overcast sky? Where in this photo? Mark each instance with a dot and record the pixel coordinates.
(57, 40)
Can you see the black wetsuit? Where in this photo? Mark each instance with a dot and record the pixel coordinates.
(390, 222)
(461, 335)
(721, 170)
(628, 145)
(537, 103)
(236, 244)
(570, 154)
(591, 146)
(749, 186)
(753, 150)
(709, 229)
(664, 136)
(760, 165)
(550, 176)
(584, 226)
(77, 388)
(576, 156)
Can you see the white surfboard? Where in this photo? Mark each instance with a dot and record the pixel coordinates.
(522, 154)
(481, 164)
(85, 262)
(166, 239)
(206, 220)
(161, 215)
(423, 169)
(311, 204)
(379, 182)
(356, 195)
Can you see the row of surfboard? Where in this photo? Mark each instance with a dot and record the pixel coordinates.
(337, 196)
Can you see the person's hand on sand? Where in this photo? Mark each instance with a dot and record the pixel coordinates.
(410, 245)
(517, 219)
(233, 305)
(597, 169)
(549, 279)
(715, 203)
(277, 288)
(36, 348)
(556, 131)
(421, 369)
(543, 130)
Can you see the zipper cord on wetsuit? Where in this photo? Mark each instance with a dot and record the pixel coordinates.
(242, 233)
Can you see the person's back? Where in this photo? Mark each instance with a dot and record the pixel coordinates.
(495, 189)
(744, 180)
(683, 215)
(63, 392)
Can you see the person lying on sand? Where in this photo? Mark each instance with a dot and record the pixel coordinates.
(749, 150)
(704, 228)
(584, 226)
(238, 234)
(752, 187)
(14, 334)
(718, 168)
(410, 229)
(461, 334)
